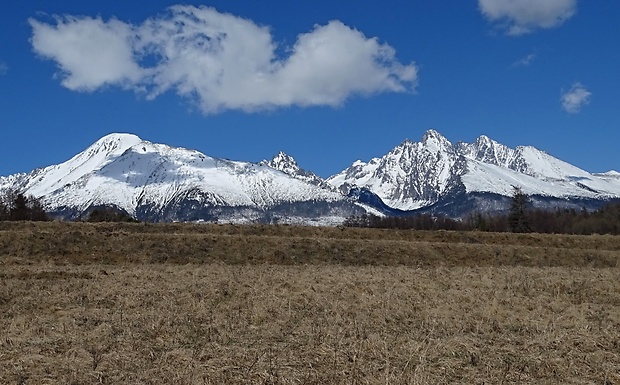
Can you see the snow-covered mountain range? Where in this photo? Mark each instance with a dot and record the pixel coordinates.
(162, 183)
(416, 175)
(157, 182)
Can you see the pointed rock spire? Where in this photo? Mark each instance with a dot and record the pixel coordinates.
(285, 163)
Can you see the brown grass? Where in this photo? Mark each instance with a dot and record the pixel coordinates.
(182, 304)
(84, 243)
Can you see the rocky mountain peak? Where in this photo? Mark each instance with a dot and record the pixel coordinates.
(284, 162)
(414, 175)
(487, 150)
(432, 134)
(288, 165)
(435, 141)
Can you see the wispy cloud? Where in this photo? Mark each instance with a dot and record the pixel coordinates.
(3, 68)
(220, 61)
(525, 61)
(519, 17)
(575, 98)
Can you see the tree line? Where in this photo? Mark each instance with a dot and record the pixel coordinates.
(16, 206)
(520, 218)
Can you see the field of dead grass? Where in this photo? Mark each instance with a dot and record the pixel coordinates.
(184, 304)
(111, 243)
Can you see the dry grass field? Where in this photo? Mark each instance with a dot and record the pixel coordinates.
(223, 304)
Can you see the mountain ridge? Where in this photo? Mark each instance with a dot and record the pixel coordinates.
(149, 181)
(158, 182)
(414, 175)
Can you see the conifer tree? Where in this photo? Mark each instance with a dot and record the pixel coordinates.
(518, 215)
(19, 211)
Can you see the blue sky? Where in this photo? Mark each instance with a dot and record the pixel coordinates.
(326, 82)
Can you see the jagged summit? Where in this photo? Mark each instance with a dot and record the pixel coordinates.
(432, 136)
(288, 165)
(433, 141)
(284, 163)
(414, 175)
(487, 150)
(410, 176)
(431, 133)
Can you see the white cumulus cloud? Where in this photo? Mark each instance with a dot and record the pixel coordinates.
(90, 52)
(519, 17)
(575, 98)
(220, 61)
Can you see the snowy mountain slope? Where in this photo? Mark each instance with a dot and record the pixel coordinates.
(548, 176)
(43, 181)
(415, 175)
(523, 159)
(124, 171)
(608, 175)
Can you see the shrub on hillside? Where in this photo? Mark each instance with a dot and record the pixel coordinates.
(109, 214)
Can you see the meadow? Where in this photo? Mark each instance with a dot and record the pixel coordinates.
(225, 304)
